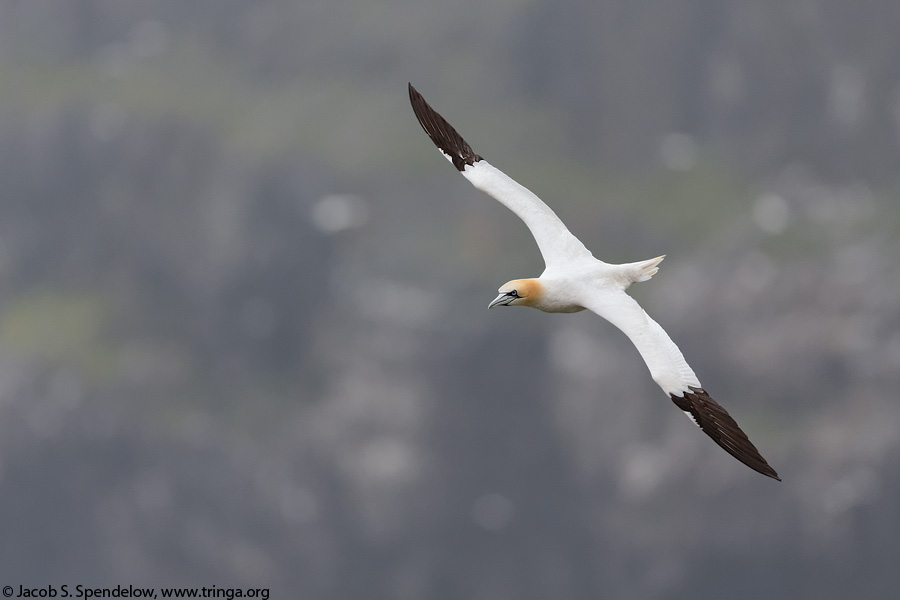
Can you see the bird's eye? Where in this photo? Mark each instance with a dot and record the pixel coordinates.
(514, 294)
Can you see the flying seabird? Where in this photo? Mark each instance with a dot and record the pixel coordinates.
(573, 280)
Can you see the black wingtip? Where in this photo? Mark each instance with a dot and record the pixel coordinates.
(441, 132)
(718, 424)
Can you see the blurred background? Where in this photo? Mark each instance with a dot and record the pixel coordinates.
(243, 327)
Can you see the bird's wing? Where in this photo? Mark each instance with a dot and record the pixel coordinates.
(557, 244)
(669, 369)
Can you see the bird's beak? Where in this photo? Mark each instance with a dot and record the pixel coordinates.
(501, 300)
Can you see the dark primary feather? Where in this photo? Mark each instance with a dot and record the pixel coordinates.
(718, 424)
(441, 132)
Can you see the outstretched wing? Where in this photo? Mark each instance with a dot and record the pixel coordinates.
(669, 369)
(557, 244)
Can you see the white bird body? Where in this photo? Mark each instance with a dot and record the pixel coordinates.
(573, 280)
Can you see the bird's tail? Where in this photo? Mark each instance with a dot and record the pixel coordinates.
(646, 269)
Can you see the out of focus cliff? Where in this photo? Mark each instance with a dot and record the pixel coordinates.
(243, 335)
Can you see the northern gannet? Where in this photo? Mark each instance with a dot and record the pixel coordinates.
(573, 280)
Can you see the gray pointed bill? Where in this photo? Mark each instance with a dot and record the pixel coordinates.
(502, 300)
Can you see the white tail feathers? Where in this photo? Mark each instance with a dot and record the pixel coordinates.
(647, 268)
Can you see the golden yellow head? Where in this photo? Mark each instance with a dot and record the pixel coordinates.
(519, 292)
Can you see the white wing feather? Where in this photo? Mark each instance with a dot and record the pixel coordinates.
(557, 244)
(665, 361)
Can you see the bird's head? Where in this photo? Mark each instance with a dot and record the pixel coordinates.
(519, 292)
